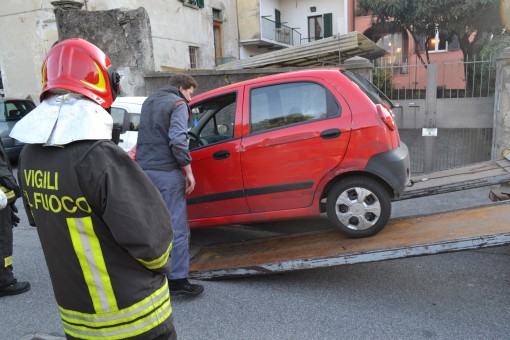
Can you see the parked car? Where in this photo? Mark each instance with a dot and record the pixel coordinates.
(12, 110)
(126, 115)
(296, 145)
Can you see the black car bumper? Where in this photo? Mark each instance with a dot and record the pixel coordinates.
(394, 167)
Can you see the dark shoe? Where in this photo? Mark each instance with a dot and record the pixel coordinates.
(184, 287)
(15, 288)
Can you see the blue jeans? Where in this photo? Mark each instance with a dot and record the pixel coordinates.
(172, 186)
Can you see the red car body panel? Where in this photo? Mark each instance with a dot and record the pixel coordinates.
(283, 172)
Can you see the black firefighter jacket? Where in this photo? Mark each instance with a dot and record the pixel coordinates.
(106, 235)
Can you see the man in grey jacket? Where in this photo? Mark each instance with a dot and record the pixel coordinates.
(162, 152)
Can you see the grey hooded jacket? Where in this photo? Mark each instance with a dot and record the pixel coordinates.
(162, 143)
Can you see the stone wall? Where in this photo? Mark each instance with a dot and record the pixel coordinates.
(125, 37)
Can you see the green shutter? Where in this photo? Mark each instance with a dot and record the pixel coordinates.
(277, 18)
(328, 25)
(200, 3)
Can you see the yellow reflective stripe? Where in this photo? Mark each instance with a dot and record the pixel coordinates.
(120, 316)
(8, 261)
(8, 192)
(134, 320)
(159, 262)
(125, 331)
(88, 250)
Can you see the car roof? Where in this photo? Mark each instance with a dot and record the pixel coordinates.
(312, 72)
(4, 99)
(130, 100)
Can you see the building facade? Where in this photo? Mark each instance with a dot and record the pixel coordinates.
(266, 25)
(184, 35)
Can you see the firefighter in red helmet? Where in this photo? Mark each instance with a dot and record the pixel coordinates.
(104, 228)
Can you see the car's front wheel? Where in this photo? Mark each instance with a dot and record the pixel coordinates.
(358, 206)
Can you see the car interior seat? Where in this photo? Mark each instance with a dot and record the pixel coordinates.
(13, 114)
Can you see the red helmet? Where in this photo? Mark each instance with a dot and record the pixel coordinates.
(79, 66)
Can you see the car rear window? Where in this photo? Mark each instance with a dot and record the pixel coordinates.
(286, 104)
(376, 95)
(12, 110)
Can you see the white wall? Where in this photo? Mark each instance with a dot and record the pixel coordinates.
(248, 51)
(267, 8)
(28, 31)
(296, 13)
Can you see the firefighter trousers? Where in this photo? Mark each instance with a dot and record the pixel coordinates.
(6, 276)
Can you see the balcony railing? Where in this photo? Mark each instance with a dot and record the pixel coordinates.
(280, 33)
(310, 39)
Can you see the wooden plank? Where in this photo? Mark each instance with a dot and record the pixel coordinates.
(452, 231)
(327, 48)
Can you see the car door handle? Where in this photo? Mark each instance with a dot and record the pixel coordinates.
(222, 154)
(330, 133)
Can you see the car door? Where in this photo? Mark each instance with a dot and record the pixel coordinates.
(298, 130)
(215, 151)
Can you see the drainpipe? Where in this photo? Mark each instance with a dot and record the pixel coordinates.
(346, 15)
(353, 15)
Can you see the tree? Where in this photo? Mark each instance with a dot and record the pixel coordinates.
(471, 21)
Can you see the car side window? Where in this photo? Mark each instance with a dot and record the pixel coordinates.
(134, 122)
(213, 120)
(286, 104)
(15, 110)
(125, 120)
(118, 116)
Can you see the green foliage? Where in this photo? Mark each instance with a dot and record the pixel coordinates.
(469, 20)
(492, 48)
(382, 79)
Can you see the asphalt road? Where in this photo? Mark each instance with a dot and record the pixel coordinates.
(462, 295)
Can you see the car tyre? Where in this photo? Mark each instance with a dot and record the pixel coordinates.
(358, 206)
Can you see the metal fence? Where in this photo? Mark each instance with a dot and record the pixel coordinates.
(471, 140)
(453, 147)
(474, 77)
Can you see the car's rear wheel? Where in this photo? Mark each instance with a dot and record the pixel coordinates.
(358, 206)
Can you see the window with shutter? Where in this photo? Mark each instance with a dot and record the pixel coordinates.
(278, 18)
(328, 25)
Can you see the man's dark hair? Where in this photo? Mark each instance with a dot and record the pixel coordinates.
(184, 80)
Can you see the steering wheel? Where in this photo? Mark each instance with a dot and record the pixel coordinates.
(200, 141)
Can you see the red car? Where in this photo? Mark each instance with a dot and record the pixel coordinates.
(296, 145)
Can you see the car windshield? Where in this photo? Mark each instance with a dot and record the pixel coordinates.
(376, 95)
(15, 109)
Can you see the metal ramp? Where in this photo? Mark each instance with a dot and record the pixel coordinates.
(460, 178)
(480, 227)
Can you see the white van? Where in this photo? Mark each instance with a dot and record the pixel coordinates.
(126, 115)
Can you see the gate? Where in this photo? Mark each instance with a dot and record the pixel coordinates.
(444, 110)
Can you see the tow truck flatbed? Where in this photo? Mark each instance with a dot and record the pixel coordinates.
(479, 227)
(474, 228)
(459, 178)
